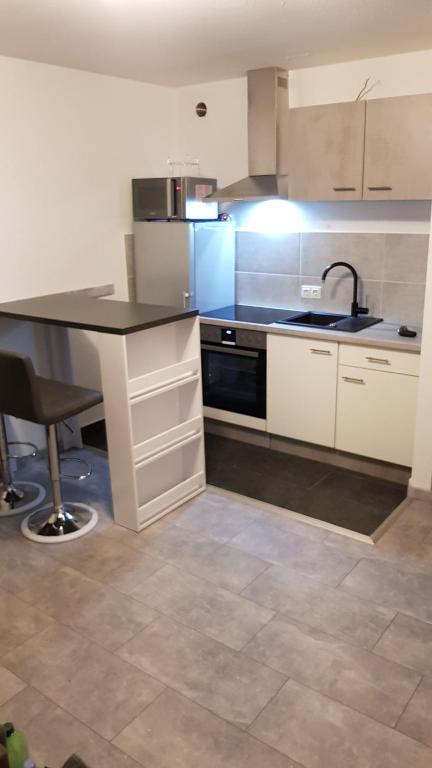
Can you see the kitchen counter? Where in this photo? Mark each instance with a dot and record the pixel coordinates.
(92, 314)
(382, 336)
(149, 359)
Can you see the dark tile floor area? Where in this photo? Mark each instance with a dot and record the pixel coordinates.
(338, 496)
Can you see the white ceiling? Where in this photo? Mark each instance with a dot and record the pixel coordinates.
(176, 42)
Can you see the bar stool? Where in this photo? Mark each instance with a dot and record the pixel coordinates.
(27, 396)
(16, 497)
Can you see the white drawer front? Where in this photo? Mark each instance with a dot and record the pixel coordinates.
(388, 360)
(376, 414)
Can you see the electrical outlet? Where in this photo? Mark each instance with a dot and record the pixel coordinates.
(311, 291)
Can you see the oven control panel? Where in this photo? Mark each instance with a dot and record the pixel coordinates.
(228, 336)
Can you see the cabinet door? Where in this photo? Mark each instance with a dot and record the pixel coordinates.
(398, 148)
(301, 388)
(376, 414)
(326, 151)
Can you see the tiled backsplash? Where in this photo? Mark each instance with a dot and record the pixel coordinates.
(392, 270)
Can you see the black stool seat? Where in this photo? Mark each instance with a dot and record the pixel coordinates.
(59, 401)
(46, 401)
(34, 398)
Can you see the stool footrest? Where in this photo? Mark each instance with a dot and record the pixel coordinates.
(17, 456)
(82, 476)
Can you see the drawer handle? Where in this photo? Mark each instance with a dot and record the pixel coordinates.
(351, 380)
(381, 360)
(344, 189)
(320, 351)
(380, 189)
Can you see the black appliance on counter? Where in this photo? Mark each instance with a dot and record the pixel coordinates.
(234, 369)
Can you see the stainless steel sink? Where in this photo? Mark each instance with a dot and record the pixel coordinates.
(332, 322)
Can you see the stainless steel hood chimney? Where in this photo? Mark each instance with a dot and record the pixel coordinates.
(267, 139)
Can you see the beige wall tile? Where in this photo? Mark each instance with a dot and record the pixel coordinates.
(405, 258)
(364, 251)
(403, 303)
(259, 252)
(268, 290)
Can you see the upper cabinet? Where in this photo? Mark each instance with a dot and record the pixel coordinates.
(380, 149)
(326, 151)
(398, 149)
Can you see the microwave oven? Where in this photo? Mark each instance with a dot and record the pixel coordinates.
(181, 198)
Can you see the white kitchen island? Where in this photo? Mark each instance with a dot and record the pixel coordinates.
(151, 382)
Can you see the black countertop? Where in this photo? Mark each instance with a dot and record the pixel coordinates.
(248, 314)
(91, 314)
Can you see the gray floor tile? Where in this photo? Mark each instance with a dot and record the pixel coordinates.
(177, 546)
(23, 707)
(10, 684)
(231, 685)
(226, 567)
(409, 642)
(398, 587)
(54, 735)
(269, 542)
(305, 600)
(138, 567)
(216, 517)
(94, 555)
(410, 537)
(321, 733)
(100, 689)
(353, 676)
(18, 622)
(416, 721)
(197, 738)
(13, 577)
(216, 612)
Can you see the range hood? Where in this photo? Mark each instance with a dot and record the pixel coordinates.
(267, 139)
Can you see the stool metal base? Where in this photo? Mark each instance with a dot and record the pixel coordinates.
(51, 526)
(13, 497)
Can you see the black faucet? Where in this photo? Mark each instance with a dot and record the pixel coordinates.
(355, 309)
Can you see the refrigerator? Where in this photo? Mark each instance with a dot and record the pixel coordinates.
(185, 264)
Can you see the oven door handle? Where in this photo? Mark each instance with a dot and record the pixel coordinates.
(230, 350)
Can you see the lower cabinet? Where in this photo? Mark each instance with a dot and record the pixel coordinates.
(301, 388)
(357, 399)
(376, 414)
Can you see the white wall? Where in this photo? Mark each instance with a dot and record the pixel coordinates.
(70, 142)
(397, 75)
(422, 463)
(218, 140)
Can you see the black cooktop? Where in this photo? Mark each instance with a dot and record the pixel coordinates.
(245, 314)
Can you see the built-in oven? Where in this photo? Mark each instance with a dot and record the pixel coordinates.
(234, 370)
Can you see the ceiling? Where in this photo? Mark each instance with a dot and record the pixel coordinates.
(177, 42)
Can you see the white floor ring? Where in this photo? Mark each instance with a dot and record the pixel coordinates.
(28, 533)
(5, 511)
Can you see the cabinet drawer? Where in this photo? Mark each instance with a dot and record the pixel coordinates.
(376, 414)
(301, 388)
(391, 361)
